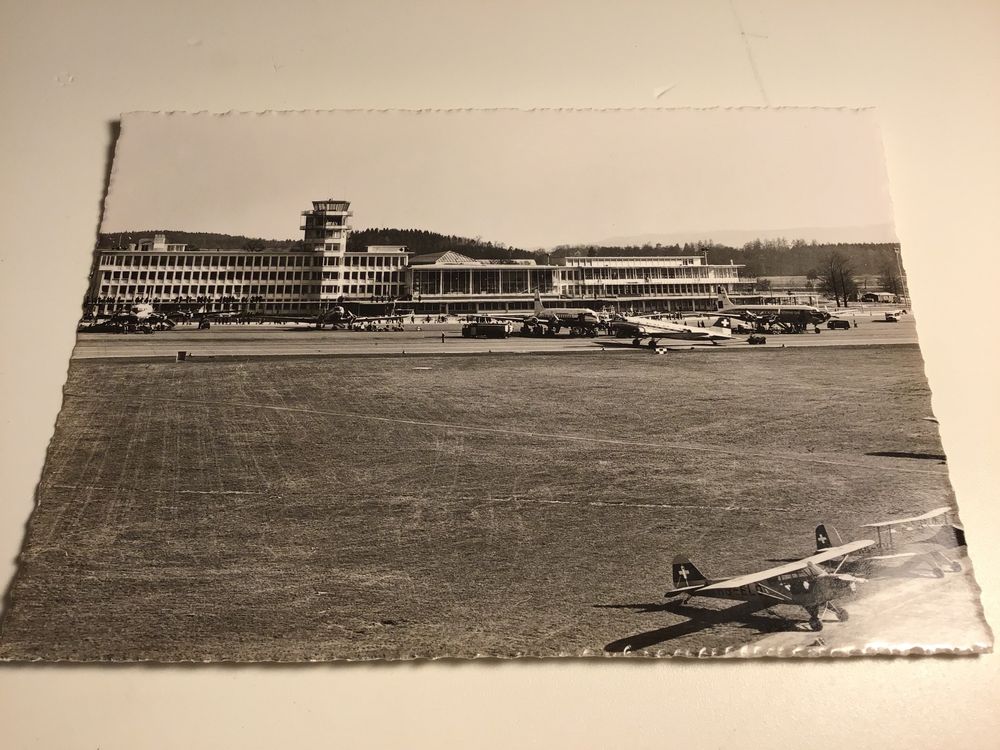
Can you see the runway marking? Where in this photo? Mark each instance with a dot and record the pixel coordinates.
(541, 435)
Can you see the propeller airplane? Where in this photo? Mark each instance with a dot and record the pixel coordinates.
(802, 582)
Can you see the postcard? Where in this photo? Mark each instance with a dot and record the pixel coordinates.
(359, 385)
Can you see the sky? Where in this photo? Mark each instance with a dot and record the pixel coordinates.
(531, 179)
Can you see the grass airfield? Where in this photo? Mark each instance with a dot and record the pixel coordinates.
(291, 509)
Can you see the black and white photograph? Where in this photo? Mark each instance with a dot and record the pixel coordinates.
(407, 384)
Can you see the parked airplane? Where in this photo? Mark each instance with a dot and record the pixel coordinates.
(788, 316)
(581, 321)
(138, 318)
(801, 583)
(929, 551)
(640, 327)
(336, 317)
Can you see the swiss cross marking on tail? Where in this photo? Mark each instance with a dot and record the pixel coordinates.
(821, 539)
(683, 573)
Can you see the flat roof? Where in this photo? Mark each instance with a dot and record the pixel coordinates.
(473, 266)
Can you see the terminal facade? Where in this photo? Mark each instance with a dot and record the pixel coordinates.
(324, 273)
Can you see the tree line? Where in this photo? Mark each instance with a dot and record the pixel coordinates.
(421, 241)
(760, 257)
(195, 240)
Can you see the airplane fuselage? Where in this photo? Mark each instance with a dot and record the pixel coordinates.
(802, 588)
(655, 329)
(569, 316)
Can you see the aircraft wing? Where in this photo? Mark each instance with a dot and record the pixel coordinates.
(745, 315)
(688, 333)
(763, 575)
(897, 556)
(512, 318)
(287, 318)
(651, 328)
(923, 517)
(735, 583)
(375, 318)
(831, 553)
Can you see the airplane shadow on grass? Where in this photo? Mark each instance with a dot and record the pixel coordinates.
(699, 619)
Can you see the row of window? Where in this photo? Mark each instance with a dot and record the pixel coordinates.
(196, 276)
(636, 290)
(185, 260)
(320, 234)
(241, 276)
(656, 272)
(286, 260)
(269, 290)
(598, 262)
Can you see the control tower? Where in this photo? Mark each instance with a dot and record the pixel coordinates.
(325, 230)
(326, 227)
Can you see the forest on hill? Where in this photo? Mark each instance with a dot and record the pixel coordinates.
(421, 241)
(760, 257)
(195, 240)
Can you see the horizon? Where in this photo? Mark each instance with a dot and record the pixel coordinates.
(696, 237)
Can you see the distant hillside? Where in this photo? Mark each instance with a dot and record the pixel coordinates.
(779, 258)
(872, 233)
(417, 241)
(420, 241)
(761, 258)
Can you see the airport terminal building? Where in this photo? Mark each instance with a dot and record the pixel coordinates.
(323, 273)
(456, 284)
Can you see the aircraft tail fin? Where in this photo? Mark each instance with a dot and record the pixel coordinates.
(723, 301)
(686, 574)
(824, 538)
(539, 307)
(724, 323)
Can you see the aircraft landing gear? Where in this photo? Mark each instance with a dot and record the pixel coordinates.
(840, 613)
(636, 342)
(815, 624)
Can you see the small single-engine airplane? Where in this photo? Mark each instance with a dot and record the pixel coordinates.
(792, 317)
(929, 551)
(801, 583)
(581, 321)
(653, 328)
